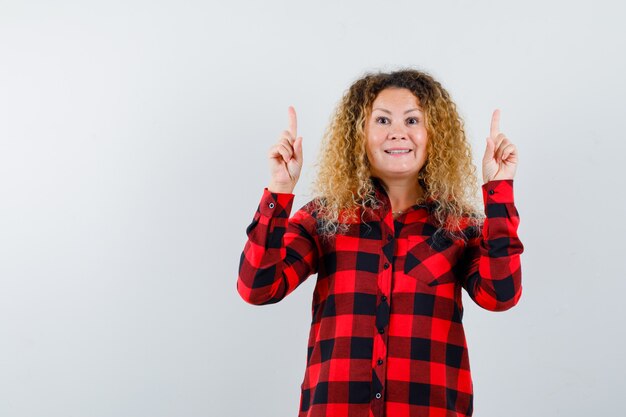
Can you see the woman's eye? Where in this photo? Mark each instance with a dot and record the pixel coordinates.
(385, 120)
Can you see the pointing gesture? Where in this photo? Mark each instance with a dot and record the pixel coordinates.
(286, 158)
(500, 160)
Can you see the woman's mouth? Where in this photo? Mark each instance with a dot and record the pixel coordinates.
(397, 151)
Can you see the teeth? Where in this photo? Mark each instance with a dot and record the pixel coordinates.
(399, 151)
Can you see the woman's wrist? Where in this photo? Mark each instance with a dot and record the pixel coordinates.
(280, 189)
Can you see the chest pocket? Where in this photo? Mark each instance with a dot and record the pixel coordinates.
(432, 260)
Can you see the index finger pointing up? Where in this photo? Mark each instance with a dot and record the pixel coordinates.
(293, 122)
(495, 123)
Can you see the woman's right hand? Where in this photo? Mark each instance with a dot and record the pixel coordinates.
(286, 158)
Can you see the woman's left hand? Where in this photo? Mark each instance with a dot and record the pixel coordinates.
(500, 160)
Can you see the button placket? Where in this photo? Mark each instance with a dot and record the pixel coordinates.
(382, 315)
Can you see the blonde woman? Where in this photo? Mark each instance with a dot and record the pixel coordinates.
(393, 235)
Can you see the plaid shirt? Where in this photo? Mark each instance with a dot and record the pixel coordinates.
(386, 336)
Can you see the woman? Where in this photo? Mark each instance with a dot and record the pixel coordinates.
(393, 237)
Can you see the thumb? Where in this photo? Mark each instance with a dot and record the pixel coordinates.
(297, 149)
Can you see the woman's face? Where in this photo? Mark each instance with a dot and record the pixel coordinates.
(396, 135)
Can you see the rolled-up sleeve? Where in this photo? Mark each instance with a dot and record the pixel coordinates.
(280, 252)
(493, 276)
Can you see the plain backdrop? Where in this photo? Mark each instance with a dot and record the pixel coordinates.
(133, 154)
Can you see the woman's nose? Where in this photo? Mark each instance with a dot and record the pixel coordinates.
(397, 132)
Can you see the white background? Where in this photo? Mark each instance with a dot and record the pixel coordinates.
(133, 154)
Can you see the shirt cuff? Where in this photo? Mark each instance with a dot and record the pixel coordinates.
(498, 191)
(276, 204)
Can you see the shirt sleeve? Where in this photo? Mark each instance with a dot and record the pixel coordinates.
(280, 252)
(493, 277)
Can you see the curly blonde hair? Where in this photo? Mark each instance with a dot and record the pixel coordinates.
(344, 183)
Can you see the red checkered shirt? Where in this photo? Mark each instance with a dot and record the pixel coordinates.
(386, 335)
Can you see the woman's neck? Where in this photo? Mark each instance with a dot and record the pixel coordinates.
(403, 194)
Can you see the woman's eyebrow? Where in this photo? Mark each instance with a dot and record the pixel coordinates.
(408, 111)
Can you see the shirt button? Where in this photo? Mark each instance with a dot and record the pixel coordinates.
(386, 265)
(381, 330)
(384, 298)
(491, 192)
(380, 362)
(378, 395)
(271, 205)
